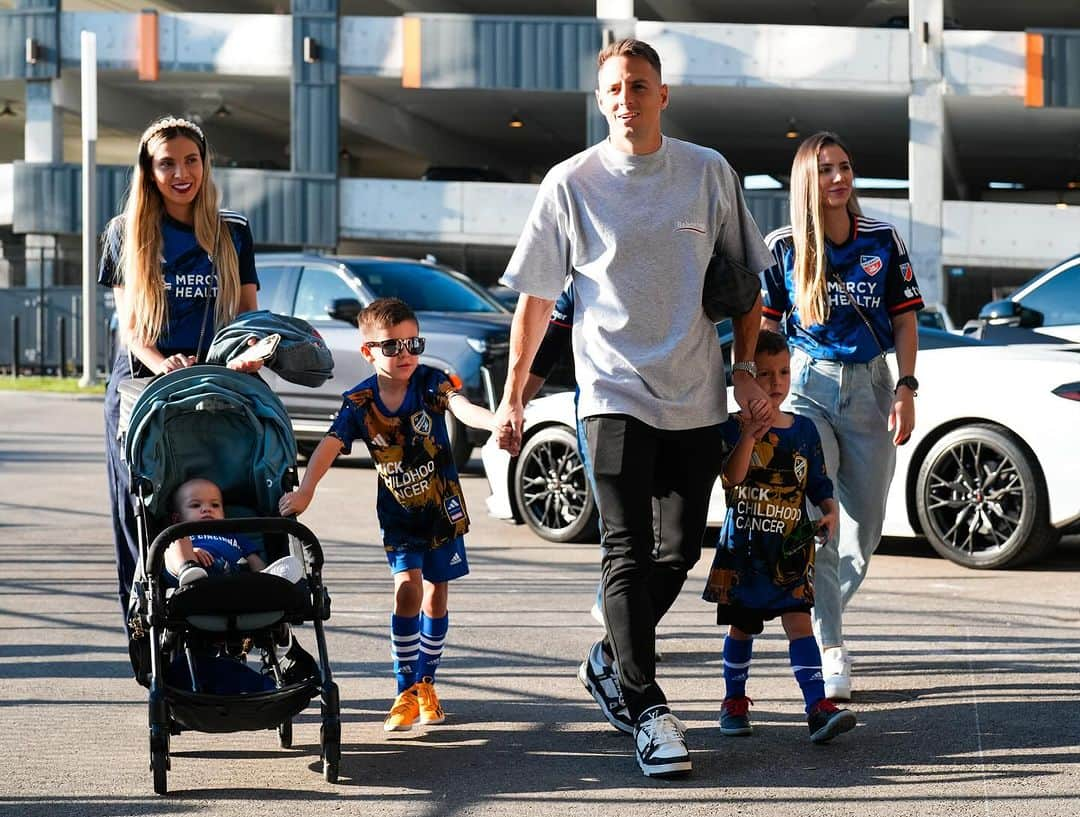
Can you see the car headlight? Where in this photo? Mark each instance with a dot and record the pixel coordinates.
(478, 345)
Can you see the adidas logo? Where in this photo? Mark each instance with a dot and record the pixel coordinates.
(455, 559)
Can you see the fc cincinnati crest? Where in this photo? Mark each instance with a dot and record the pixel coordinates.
(905, 270)
(871, 264)
(800, 468)
(421, 422)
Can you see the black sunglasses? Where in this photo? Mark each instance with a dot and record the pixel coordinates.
(393, 347)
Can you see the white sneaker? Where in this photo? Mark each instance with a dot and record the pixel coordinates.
(287, 567)
(190, 572)
(661, 746)
(836, 670)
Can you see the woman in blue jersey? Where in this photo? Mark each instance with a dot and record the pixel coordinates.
(179, 268)
(843, 291)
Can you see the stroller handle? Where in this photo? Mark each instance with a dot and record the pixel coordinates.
(251, 524)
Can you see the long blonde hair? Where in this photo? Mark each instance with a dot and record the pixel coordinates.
(808, 228)
(141, 241)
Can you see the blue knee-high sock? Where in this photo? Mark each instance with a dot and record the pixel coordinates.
(806, 664)
(432, 639)
(736, 665)
(405, 649)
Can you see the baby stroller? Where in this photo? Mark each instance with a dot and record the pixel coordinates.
(228, 427)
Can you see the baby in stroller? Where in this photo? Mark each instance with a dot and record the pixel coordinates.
(209, 436)
(194, 557)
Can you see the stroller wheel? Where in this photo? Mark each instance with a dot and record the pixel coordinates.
(159, 765)
(284, 731)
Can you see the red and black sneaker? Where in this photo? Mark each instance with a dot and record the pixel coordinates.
(827, 720)
(735, 717)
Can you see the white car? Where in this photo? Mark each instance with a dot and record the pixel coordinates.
(991, 476)
(1049, 303)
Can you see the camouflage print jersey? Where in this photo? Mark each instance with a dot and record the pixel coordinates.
(420, 503)
(764, 560)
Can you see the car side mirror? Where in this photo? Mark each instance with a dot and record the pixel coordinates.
(1011, 313)
(344, 309)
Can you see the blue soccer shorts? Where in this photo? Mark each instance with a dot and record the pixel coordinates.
(441, 564)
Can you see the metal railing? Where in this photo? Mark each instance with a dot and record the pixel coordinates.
(41, 331)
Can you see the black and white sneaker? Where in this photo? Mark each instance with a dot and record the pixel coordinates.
(190, 572)
(600, 680)
(661, 747)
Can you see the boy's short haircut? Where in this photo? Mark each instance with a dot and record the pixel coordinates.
(382, 313)
(174, 500)
(629, 47)
(770, 343)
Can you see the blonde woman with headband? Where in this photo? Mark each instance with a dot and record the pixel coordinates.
(843, 291)
(179, 268)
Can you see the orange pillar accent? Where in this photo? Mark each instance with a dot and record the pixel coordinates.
(1033, 94)
(148, 46)
(411, 73)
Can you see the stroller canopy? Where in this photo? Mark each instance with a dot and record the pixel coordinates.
(214, 423)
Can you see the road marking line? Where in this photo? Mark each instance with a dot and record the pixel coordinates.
(978, 724)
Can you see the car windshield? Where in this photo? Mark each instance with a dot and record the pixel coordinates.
(423, 287)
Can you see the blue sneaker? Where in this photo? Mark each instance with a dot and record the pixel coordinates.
(735, 717)
(826, 721)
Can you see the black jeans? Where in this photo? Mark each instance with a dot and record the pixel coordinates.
(641, 471)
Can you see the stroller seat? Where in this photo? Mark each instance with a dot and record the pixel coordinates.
(239, 603)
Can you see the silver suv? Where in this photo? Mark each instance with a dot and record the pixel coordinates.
(467, 330)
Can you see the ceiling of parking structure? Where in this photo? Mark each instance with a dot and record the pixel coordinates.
(1002, 140)
(254, 133)
(468, 127)
(748, 125)
(177, 6)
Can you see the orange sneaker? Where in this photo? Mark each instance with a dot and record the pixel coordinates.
(431, 710)
(404, 712)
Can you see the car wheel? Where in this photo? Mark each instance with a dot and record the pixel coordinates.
(459, 441)
(982, 501)
(552, 492)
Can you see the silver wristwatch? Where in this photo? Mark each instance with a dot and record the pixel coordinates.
(747, 366)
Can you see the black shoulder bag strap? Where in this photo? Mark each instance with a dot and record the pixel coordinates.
(843, 288)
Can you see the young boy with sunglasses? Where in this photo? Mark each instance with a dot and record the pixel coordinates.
(764, 562)
(399, 413)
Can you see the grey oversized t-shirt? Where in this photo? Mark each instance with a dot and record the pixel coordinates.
(636, 233)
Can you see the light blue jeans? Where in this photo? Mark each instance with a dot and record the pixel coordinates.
(849, 403)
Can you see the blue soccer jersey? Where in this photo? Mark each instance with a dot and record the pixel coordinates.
(764, 559)
(226, 550)
(190, 279)
(420, 502)
(874, 272)
(556, 340)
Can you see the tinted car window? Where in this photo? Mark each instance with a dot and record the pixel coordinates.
(1058, 299)
(275, 287)
(318, 287)
(424, 288)
(931, 319)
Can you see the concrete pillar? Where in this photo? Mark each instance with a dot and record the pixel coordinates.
(618, 21)
(43, 136)
(926, 145)
(614, 9)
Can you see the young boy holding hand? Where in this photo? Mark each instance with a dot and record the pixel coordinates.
(399, 413)
(764, 560)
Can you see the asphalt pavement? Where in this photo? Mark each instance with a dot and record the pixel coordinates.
(967, 686)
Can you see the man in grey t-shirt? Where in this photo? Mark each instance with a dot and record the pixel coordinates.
(635, 221)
